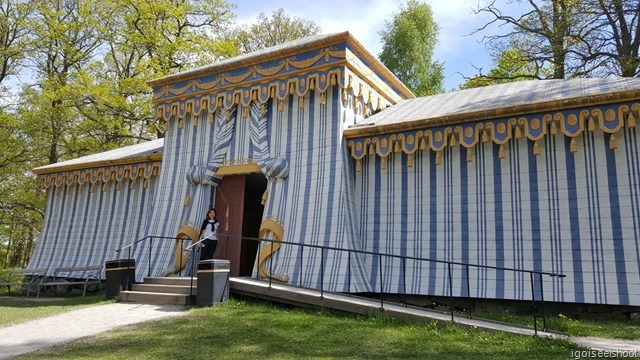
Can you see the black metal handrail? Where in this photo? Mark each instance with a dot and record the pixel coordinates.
(404, 261)
(380, 256)
(150, 239)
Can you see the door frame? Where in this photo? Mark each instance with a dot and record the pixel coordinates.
(229, 237)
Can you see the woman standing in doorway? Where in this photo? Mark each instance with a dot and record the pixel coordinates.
(208, 232)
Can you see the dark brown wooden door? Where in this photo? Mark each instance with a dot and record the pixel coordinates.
(230, 208)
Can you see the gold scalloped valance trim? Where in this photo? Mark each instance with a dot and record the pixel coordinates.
(325, 51)
(276, 90)
(607, 118)
(360, 71)
(101, 176)
(252, 73)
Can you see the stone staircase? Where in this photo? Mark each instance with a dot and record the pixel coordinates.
(161, 291)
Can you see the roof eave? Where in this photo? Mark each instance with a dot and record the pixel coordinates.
(249, 60)
(552, 105)
(343, 37)
(43, 170)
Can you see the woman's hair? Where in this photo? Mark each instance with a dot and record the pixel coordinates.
(206, 216)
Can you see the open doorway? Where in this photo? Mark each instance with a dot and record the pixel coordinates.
(240, 209)
(255, 186)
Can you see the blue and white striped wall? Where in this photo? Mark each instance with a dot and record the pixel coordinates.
(85, 225)
(314, 204)
(187, 143)
(573, 209)
(316, 200)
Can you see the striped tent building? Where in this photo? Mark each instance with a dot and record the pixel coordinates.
(358, 186)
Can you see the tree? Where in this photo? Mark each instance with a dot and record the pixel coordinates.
(408, 41)
(21, 207)
(510, 65)
(545, 32)
(13, 35)
(573, 37)
(89, 63)
(163, 37)
(93, 62)
(267, 32)
(65, 36)
(616, 44)
(21, 212)
(146, 40)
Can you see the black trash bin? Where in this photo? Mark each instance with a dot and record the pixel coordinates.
(120, 275)
(213, 282)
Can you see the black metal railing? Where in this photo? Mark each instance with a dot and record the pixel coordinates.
(147, 247)
(325, 249)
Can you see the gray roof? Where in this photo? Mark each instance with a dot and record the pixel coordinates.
(306, 40)
(138, 151)
(498, 96)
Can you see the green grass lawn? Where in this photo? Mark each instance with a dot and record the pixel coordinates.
(629, 330)
(258, 330)
(262, 330)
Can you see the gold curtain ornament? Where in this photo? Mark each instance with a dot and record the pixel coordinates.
(613, 144)
(536, 148)
(631, 121)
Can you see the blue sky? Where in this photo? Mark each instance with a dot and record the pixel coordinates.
(457, 49)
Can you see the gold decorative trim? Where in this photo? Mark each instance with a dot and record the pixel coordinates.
(237, 169)
(278, 89)
(323, 46)
(370, 97)
(187, 230)
(365, 75)
(610, 119)
(87, 165)
(272, 225)
(253, 71)
(489, 114)
(341, 62)
(104, 175)
(228, 82)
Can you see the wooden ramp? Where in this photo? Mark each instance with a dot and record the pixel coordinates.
(293, 295)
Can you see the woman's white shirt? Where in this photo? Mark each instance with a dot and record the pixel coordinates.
(211, 229)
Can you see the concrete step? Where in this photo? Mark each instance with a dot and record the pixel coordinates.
(154, 298)
(162, 288)
(186, 281)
